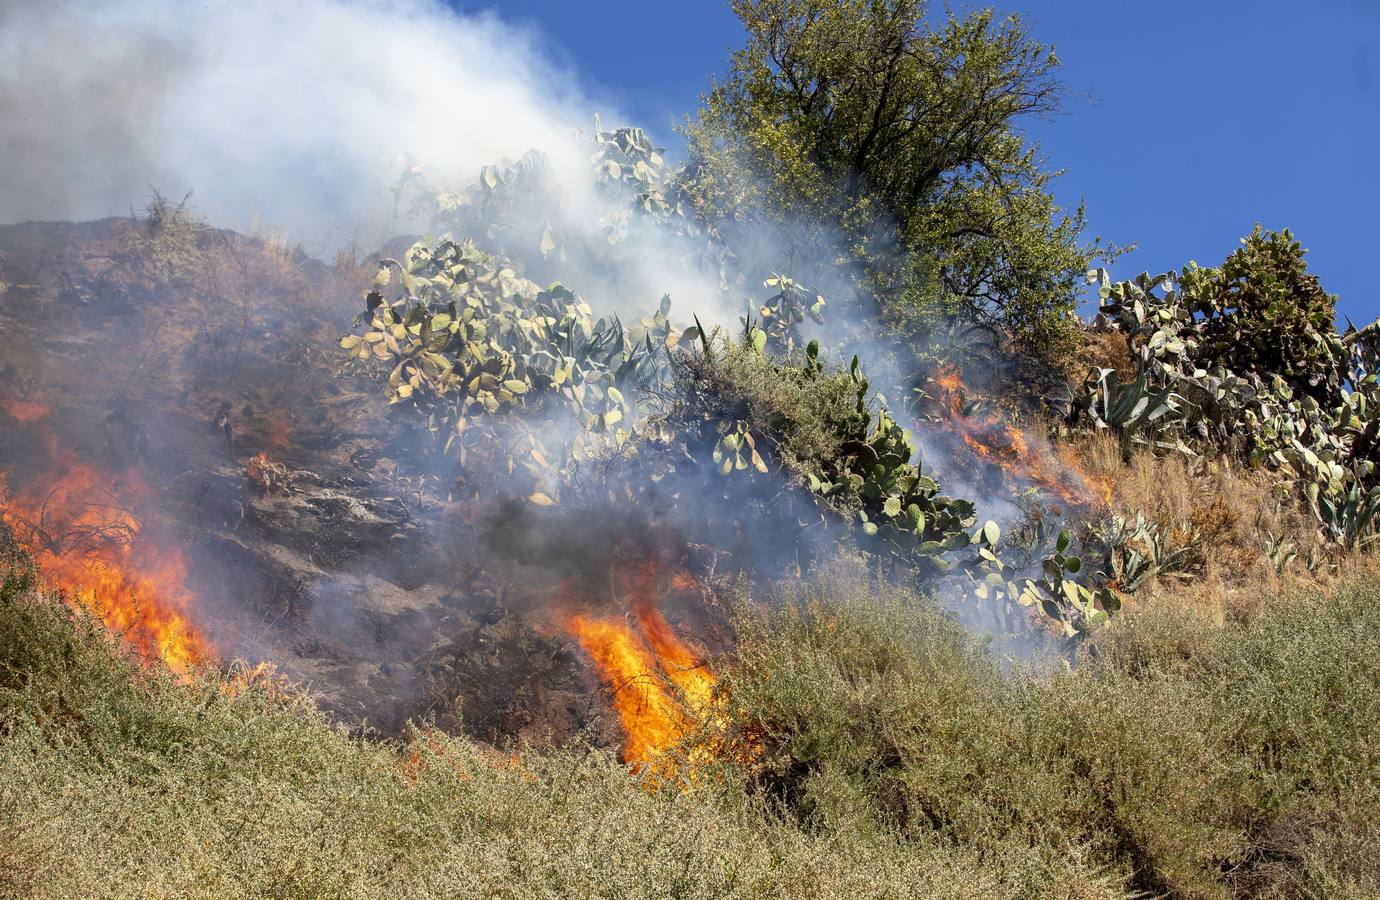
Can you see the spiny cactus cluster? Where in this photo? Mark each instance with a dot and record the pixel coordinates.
(523, 211)
(1244, 362)
(874, 477)
(524, 380)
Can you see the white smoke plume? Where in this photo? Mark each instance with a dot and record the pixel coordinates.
(288, 112)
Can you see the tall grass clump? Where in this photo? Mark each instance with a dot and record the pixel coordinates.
(1178, 758)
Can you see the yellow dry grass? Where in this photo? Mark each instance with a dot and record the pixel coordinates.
(1230, 515)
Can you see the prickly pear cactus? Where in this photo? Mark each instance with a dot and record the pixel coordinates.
(1244, 361)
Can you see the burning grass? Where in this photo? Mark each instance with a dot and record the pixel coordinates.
(75, 522)
(896, 759)
(662, 689)
(78, 528)
(1024, 458)
(658, 686)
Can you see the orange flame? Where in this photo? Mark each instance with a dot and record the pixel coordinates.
(76, 524)
(279, 432)
(641, 673)
(1004, 445)
(694, 680)
(240, 677)
(267, 476)
(25, 411)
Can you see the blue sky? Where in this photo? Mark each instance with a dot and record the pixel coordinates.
(1186, 123)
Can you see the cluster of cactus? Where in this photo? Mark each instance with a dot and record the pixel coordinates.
(877, 480)
(1316, 425)
(1057, 592)
(480, 350)
(491, 360)
(632, 170)
(784, 312)
(898, 504)
(736, 448)
(874, 479)
(521, 210)
(461, 332)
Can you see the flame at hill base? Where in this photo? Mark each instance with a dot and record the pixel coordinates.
(76, 524)
(1004, 445)
(660, 688)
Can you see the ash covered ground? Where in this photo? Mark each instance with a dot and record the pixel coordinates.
(206, 393)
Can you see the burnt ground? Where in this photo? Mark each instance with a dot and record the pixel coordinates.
(335, 555)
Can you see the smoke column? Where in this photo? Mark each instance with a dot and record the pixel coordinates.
(291, 111)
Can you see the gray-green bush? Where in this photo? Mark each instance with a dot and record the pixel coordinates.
(893, 757)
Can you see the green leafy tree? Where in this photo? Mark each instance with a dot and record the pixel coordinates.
(860, 120)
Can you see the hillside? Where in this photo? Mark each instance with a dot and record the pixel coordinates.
(892, 760)
(811, 509)
(265, 598)
(191, 383)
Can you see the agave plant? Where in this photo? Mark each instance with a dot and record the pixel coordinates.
(1351, 519)
(1280, 552)
(1137, 549)
(1130, 410)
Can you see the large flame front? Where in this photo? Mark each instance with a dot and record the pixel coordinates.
(76, 524)
(660, 688)
(1009, 448)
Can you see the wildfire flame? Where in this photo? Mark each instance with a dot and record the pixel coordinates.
(76, 524)
(241, 677)
(24, 411)
(267, 476)
(660, 687)
(1004, 445)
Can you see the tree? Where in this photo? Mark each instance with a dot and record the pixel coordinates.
(856, 123)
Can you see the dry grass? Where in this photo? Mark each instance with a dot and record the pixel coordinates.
(1228, 515)
(1107, 350)
(895, 759)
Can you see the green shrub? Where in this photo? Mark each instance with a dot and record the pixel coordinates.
(821, 425)
(1171, 762)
